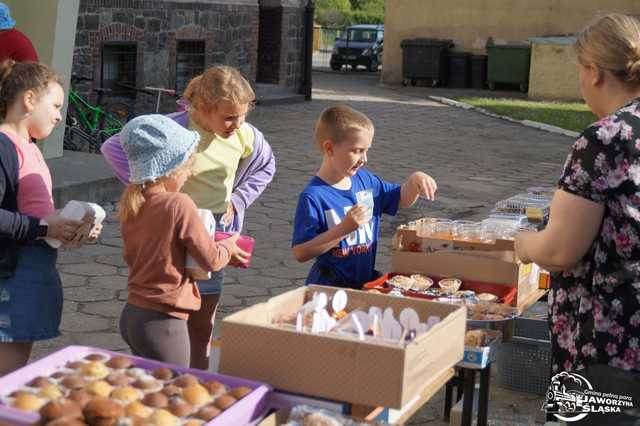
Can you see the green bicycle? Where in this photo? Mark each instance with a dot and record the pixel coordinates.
(87, 126)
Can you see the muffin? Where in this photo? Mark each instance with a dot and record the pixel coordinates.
(75, 365)
(96, 357)
(156, 400)
(179, 407)
(196, 395)
(148, 385)
(138, 409)
(28, 402)
(119, 379)
(99, 388)
(136, 373)
(225, 401)
(207, 413)
(61, 407)
(95, 370)
(126, 394)
(81, 396)
(119, 362)
(193, 422)
(66, 421)
(215, 388)
(39, 382)
(163, 374)
(164, 418)
(59, 375)
(50, 392)
(73, 382)
(240, 392)
(102, 411)
(172, 390)
(185, 380)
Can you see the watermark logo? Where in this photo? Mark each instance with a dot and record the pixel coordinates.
(571, 397)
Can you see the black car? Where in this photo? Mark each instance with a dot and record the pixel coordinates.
(359, 45)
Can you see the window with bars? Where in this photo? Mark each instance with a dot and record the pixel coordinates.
(119, 66)
(189, 62)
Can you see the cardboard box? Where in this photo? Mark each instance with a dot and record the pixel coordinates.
(490, 263)
(337, 367)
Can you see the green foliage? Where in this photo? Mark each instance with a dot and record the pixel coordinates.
(337, 13)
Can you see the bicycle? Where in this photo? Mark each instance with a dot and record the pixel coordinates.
(87, 125)
(159, 91)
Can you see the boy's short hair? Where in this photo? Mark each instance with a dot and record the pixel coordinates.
(337, 122)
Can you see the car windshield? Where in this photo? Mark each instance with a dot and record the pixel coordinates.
(365, 36)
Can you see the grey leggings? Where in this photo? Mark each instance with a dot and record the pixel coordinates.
(155, 335)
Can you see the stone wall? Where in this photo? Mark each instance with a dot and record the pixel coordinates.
(229, 30)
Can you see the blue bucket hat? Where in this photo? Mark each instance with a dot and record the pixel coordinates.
(6, 21)
(155, 146)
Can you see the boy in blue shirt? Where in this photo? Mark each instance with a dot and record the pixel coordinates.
(338, 215)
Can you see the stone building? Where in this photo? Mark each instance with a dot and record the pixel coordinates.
(125, 44)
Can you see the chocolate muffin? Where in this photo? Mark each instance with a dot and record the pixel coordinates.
(96, 357)
(65, 421)
(179, 407)
(207, 413)
(215, 388)
(172, 390)
(73, 382)
(62, 407)
(163, 374)
(39, 382)
(185, 380)
(193, 422)
(240, 392)
(225, 401)
(156, 400)
(102, 411)
(59, 375)
(81, 396)
(75, 365)
(119, 362)
(119, 379)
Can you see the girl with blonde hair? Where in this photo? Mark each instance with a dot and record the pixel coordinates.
(233, 164)
(592, 241)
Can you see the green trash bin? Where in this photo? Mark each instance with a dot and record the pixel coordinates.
(508, 64)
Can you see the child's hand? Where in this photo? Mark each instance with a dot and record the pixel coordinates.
(425, 185)
(95, 232)
(227, 218)
(60, 228)
(238, 256)
(355, 218)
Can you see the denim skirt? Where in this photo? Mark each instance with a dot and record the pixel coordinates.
(214, 284)
(31, 300)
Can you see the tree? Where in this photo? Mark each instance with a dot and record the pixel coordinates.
(332, 12)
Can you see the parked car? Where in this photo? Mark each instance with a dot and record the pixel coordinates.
(359, 45)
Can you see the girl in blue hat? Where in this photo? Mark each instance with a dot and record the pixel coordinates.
(159, 226)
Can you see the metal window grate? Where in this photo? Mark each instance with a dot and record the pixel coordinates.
(118, 66)
(189, 62)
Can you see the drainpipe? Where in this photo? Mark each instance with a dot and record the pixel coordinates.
(308, 49)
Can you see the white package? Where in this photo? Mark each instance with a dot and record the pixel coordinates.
(193, 269)
(90, 214)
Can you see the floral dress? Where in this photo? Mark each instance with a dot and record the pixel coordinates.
(595, 307)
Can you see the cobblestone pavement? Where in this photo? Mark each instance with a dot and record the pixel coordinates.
(476, 160)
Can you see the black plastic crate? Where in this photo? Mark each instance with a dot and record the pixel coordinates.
(533, 323)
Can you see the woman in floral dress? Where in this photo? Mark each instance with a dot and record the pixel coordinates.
(592, 241)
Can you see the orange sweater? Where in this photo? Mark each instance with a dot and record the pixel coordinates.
(156, 242)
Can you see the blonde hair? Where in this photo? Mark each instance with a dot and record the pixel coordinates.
(216, 84)
(338, 122)
(612, 42)
(132, 198)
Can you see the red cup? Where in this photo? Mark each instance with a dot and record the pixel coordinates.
(245, 242)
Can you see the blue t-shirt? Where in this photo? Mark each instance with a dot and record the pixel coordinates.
(320, 206)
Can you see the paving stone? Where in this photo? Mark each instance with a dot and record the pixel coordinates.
(112, 259)
(111, 341)
(69, 307)
(264, 281)
(109, 309)
(114, 282)
(89, 294)
(241, 291)
(71, 257)
(78, 322)
(89, 269)
(229, 301)
(69, 280)
(113, 242)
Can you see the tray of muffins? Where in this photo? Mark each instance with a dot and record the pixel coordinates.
(80, 385)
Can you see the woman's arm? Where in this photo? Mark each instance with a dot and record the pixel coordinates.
(574, 223)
